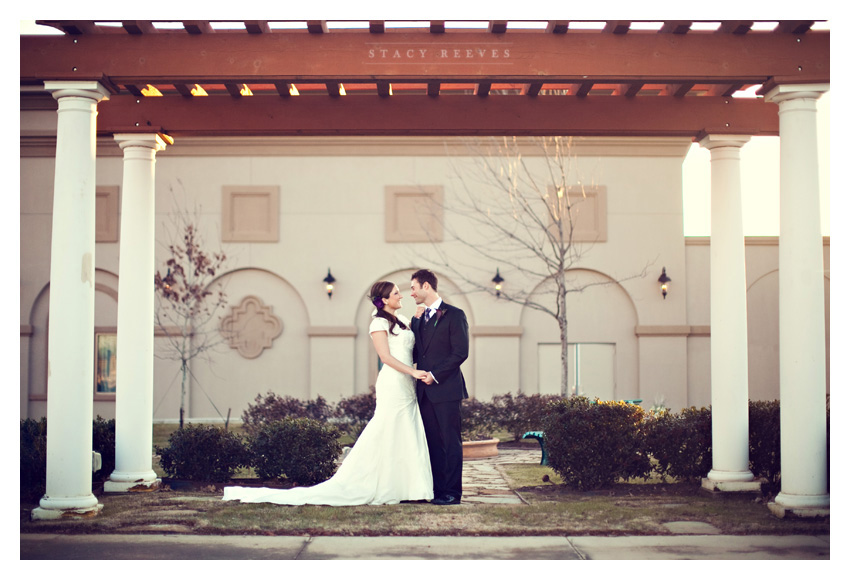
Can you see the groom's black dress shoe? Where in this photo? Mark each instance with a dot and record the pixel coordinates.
(446, 500)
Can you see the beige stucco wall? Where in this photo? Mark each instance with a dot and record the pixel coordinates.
(762, 259)
(332, 203)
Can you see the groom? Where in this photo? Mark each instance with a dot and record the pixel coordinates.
(442, 344)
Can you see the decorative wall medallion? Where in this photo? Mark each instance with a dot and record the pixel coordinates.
(251, 327)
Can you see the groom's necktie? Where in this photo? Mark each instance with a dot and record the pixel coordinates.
(427, 315)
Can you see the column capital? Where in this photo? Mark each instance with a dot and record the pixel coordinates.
(778, 93)
(710, 141)
(87, 89)
(155, 141)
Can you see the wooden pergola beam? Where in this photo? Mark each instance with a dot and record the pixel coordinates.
(135, 27)
(498, 26)
(437, 26)
(257, 27)
(628, 89)
(617, 26)
(676, 27)
(558, 26)
(283, 88)
(794, 26)
(197, 27)
(532, 89)
(317, 26)
(679, 90)
(206, 58)
(446, 115)
(184, 90)
(735, 27)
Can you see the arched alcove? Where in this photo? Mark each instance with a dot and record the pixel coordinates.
(601, 321)
(34, 392)
(227, 379)
(763, 336)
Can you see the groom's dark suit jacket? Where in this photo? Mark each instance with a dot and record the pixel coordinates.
(441, 348)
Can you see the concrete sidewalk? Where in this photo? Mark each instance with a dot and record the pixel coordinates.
(185, 547)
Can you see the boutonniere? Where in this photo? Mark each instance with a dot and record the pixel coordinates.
(439, 315)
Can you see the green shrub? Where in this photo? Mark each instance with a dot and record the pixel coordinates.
(592, 444)
(203, 453)
(355, 412)
(681, 443)
(300, 450)
(33, 458)
(477, 420)
(273, 407)
(764, 441)
(103, 441)
(523, 413)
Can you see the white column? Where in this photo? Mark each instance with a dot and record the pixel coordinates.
(802, 344)
(729, 381)
(70, 352)
(134, 391)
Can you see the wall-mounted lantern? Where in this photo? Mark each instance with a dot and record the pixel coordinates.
(497, 283)
(664, 280)
(329, 283)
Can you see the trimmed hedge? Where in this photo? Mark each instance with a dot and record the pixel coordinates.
(764, 442)
(355, 412)
(592, 444)
(103, 441)
(300, 450)
(203, 453)
(478, 420)
(681, 443)
(521, 413)
(273, 407)
(33, 457)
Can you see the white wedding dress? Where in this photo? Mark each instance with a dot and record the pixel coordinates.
(389, 462)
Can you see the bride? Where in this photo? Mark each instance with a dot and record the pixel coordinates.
(389, 462)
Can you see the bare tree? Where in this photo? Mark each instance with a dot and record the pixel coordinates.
(518, 214)
(186, 304)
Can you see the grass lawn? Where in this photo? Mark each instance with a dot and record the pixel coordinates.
(549, 509)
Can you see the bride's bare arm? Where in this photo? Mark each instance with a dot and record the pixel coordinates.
(382, 347)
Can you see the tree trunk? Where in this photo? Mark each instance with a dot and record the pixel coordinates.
(565, 347)
(183, 393)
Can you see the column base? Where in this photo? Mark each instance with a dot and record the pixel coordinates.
(804, 506)
(67, 508)
(718, 475)
(751, 486)
(132, 482)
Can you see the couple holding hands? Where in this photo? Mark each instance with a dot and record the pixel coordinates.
(411, 449)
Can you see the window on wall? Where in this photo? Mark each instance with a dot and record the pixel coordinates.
(590, 369)
(106, 214)
(589, 211)
(106, 363)
(250, 213)
(414, 213)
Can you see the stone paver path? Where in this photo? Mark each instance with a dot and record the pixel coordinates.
(483, 479)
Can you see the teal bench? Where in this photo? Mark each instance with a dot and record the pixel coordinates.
(544, 459)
